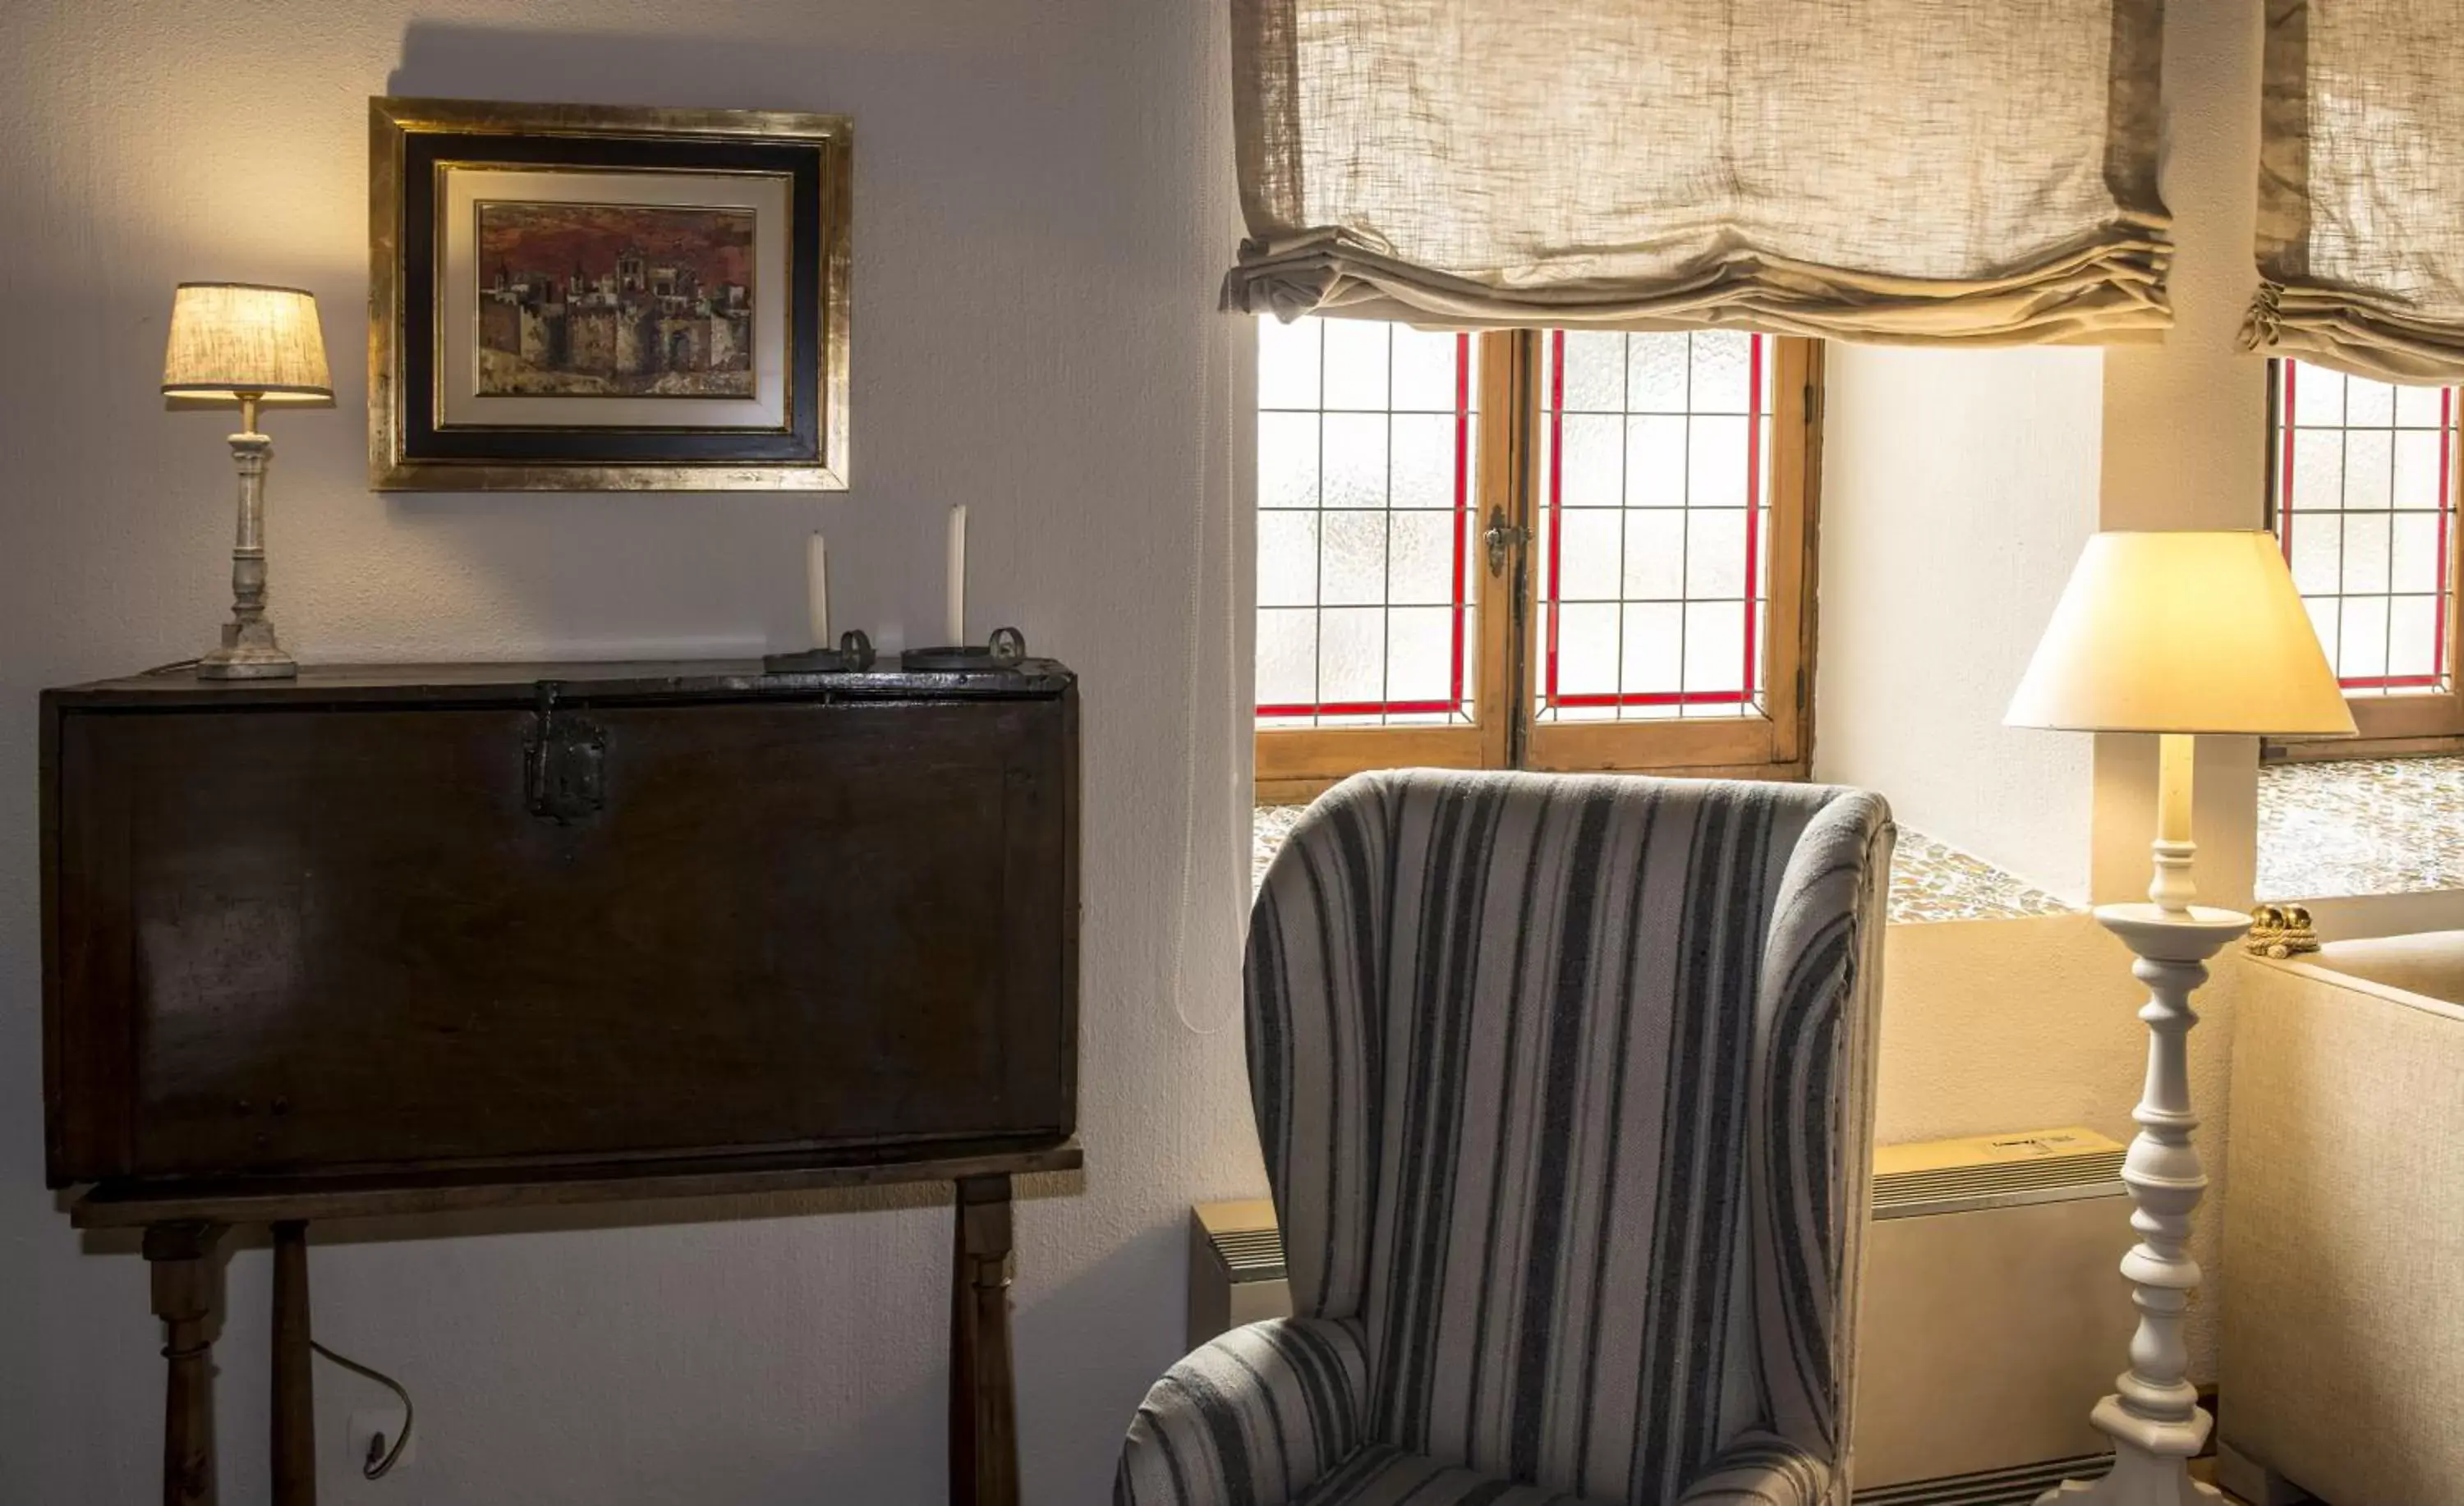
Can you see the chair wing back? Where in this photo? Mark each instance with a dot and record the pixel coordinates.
(1562, 1088)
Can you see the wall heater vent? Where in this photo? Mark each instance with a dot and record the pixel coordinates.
(1992, 1313)
(2017, 1487)
(1236, 1267)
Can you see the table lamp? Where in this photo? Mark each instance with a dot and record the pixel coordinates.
(237, 342)
(2174, 634)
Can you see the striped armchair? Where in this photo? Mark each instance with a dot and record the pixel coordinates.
(1564, 1090)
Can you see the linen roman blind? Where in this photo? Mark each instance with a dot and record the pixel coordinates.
(1907, 170)
(2360, 191)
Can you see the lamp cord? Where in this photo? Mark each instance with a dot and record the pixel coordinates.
(372, 1467)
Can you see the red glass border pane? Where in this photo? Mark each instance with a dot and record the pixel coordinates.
(2288, 511)
(1457, 656)
(1552, 697)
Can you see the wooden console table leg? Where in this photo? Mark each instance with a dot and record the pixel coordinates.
(983, 1407)
(295, 1395)
(180, 1258)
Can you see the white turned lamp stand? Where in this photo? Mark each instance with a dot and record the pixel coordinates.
(2173, 634)
(2154, 1418)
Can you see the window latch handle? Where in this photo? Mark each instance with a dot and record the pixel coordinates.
(1500, 538)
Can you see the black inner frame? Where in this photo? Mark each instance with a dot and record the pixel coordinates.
(416, 349)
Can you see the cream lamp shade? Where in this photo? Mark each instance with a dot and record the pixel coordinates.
(231, 340)
(2181, 632)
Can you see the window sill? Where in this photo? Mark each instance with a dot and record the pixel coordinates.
(1930, 880)
(2361, 826)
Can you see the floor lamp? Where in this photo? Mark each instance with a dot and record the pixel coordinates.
(2174, 634)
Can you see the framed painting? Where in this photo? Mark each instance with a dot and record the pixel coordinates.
(571, 299)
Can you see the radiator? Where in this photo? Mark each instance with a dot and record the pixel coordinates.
(1993, 1316)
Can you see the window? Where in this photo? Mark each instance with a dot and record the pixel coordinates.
(1547, 550)
(2361, 495)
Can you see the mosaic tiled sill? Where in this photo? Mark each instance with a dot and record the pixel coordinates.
(2360, 826)
(1930, 880)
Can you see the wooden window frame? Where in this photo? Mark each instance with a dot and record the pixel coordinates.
(2390, 725)
(1295, 764)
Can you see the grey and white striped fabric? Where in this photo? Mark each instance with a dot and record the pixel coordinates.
(1563, 1089)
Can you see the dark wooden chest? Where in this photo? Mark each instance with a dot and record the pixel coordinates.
(387, 919)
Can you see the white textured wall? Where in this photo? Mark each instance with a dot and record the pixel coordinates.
(1041, 208)
(1957, 488)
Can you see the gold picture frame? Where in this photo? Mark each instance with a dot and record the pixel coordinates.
(785, 427)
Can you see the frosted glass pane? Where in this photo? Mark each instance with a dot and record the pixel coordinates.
(1587, 552)
(1355, 363)
(1721, 365)
(1287, 460)
(1354, 460)
(1763, 551)
(1651, 648)
(2318, 546)
(2366, 552)
(1587, 649)
(1353, 566)
(1715, 465)
(1352, 654)
(1654, 555)
(2365, 638)
(1424, 460)
(2318, 395)
(1591, 456)
(1715, 553)
(2317, 467)
(1287, 656)
(1424, 370)
(1420, 563)
(2412, 637)
(1288, 356)
(1655, 462)
(1286, 559)
(2416, 551)
(2325, 620)
(1420, 653)
(1655, 367)
(1595, 373)
(2368, 467)
(2416, 469)
(2419, 408)
(1470, 629)
(2369, 402)
(1715, 646)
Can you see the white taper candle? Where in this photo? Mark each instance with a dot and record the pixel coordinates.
(956, 636)
(817, 589)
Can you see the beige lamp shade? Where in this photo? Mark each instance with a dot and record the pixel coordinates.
(229, 338)
(2185, 632)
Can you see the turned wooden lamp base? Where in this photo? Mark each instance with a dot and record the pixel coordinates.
(249, 650)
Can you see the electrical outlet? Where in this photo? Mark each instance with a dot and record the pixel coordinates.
(377, 1428)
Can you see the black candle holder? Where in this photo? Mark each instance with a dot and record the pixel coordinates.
(852, 656)
(1003, 651)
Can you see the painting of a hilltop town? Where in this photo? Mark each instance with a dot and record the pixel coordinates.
(615, 300)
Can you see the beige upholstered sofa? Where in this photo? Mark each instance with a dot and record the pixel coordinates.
(2344, 1231)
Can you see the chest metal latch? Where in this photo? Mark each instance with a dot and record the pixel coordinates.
(564, 762)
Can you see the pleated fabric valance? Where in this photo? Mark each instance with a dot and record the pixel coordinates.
(1895, 170)
(2360, 191)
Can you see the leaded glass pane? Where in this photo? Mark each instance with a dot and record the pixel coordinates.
(1654, 524)
(1365, 456)
(2363, 504)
